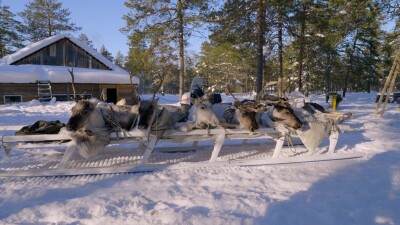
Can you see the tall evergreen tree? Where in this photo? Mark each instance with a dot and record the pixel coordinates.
(10, 37)
(223, 64)
(166, 22)
(104, 52)
(45, 18)
(85, 39)
(119, 59)
(361, 43)
(233, 42)
(261, 29)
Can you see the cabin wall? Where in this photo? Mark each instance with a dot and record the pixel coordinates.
(29, 91)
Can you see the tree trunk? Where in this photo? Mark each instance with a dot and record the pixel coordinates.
(135, 94)
(328, 74)
(349, 66)
(261, 11)
(280, 54)
(49, 28)
(181, 50)
(71, 72)
(301, 50)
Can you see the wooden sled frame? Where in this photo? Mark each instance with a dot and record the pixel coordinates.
(148, 141)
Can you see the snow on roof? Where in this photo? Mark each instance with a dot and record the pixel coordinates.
(60, 74)
(7, 72)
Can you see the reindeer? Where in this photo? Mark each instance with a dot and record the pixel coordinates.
(247, 114)
(239, 114)
(281, 112)
(164, 117)
(91, 123)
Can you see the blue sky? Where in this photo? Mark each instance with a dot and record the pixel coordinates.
(100, 21)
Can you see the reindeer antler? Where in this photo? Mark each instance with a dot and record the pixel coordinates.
(276, 101)
(229, 92)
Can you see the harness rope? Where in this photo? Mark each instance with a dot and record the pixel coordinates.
(113, 122)
(286, 135)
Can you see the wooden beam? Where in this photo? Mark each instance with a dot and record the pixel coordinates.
(390, 88)
(388, 81)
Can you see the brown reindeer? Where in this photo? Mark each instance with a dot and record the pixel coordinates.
(281, 111)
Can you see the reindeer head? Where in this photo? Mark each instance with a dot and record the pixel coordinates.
(81, 114)
(246, 115)
(283, 113)
(203, 115)
(147, 108)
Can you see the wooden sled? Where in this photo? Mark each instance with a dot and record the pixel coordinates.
(147, 143)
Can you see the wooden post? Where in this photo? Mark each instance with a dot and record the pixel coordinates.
(390, 89)
(390, 79)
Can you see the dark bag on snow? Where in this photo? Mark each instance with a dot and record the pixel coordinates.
(41, 127)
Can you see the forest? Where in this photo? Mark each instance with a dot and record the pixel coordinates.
(305, 45)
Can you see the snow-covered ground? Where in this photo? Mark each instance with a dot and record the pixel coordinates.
(362, 191)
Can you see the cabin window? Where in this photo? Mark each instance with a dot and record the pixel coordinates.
(64, 97)
(12, 98)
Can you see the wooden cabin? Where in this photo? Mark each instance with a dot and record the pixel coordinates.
(42, 70)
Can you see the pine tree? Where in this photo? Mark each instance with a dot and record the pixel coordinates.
(84, 38)
(10, 37)
(233, 44)
(165, 23)
(261, 29)
(45, 18)
(104, 52)
(119, 59)
(224, 64)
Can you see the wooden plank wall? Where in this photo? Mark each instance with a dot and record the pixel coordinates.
(29, 90)
(62, 53)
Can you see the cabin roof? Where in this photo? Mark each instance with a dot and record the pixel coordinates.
(8, 71)
(59, 74)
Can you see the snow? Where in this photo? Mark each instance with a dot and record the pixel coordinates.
(362, 191)
(60, 74)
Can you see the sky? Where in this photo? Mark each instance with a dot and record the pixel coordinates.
(100, 21)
